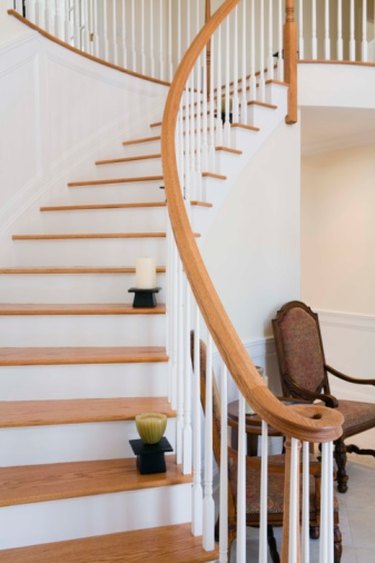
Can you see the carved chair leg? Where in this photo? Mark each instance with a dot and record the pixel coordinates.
(340, 457)
(272, 545)
(337, 538)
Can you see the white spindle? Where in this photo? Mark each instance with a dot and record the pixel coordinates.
(314, 38)
(241, 483)
(77, 26)
(30, 10)
(180, 367)
(305, 503)
(143, 31)
(48, 17)
(280, 60)
(124, 35)
(244, 69)
(161, 39)
(58, 20)
(105, 31)
(96, 28)
(179, 34)
(263, 495)
(151, 38)
(187, 436)
(262, 83)
(170, 48)
(340, 44)
(198, 137)
(197, 520)
(211, 109)
(301, 43)
(253, 81)
(352, 32)
(270, 41)
(223, 509)
(208, 501)
(219, 121)
(327, 39)
(115, 49)
(174, 320)
(364, 45)
(235, 101)
(294, 501)
(204, 113)
(134, 31)
(227, 84)
(326, 506)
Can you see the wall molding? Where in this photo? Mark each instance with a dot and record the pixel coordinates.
(356, 321)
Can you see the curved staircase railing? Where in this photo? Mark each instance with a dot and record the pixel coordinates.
(211, 96)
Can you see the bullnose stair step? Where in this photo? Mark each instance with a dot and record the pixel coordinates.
(26, 484)
(12, 309)
(17, 356)
(15, 414)
(167, 543)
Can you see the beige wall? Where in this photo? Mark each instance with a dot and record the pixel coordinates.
(338, 230)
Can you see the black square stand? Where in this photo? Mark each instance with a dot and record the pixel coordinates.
(144, 298)
(150, 457)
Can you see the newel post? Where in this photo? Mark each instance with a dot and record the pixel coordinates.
(290, 59)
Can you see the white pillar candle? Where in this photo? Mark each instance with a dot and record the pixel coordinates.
(145, 273)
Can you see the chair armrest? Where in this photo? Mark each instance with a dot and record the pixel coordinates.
(349, 379)
(328, 400)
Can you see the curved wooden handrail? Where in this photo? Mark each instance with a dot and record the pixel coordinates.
(62, 43)
(312, 423)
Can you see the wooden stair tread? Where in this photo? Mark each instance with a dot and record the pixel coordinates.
(103, 206)
(141, 140)
(128, 159)
(213, 175)
(247, 127)
(71, 355)
(110, 181)
(39, 483)
(65, 236)
(158, 545)
(76, 411)
(228, 149)
(261, 104)
(77, 309)
(78, 270)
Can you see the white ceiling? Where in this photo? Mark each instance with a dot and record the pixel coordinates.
(326, 129)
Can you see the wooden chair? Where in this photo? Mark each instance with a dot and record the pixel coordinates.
(303, 372)
(275, 483)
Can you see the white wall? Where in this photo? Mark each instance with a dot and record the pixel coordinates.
(252, 248)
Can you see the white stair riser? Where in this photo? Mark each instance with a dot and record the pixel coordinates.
(109, 193)
(100, 221)
(83, 330)
(32, 445)
(277, 94)
(86, 381)
(66, 519)
(86, 252)
(72, 288)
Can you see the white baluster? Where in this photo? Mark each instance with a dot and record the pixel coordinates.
(58, 20)
(179, 34)
(244, 70)
(198, 137)
(30, 10)
(294, 501)
(314, 38)
(340, 44)
(223, 509)
(205, 113)
(270, 63)
(124, 35)
(280, 60)
(253, 81)
(174, 322)
(97, 35)
(105, 31)
(187, 436)
(241, 483)
(219, 121)
(364, 46)
(227, 84)
(327, 40)
(235, 100)
(39, 12)
(197, 520)
(134, 30)
(48, 17)
(170, 47)
(326, 506)
(180, 366)
(151, 38)
(211, 109)
(161, 39)
(263, 495)
(77, 26)
(305, 503)
(208, 501)
(262, 84)
(115, 43)
(352, 32)
(301, 43)
(67, 31)
(143, 27)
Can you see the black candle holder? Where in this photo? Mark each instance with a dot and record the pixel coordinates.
(144, 298)
(150, 457)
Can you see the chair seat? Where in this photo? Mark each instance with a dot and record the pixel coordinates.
(358, 416)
